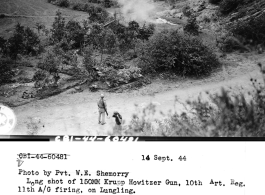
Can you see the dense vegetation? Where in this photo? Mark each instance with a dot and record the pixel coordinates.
(6, 72)
(24, 41)
(227, 6)
(253, 29)
(83, 6)
(247, 24)
(154, 51)
(192, 26)
(182, 54)
(215, 1)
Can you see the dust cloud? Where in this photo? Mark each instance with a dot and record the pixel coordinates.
(138, 10)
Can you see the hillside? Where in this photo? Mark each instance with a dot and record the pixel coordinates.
(29, 12)
(56, 83)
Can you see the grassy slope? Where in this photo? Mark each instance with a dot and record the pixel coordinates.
(32, 11)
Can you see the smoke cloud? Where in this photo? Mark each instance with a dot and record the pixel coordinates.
(138, 10)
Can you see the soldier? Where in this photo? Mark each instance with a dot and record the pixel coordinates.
(102, 108)
(118, 120)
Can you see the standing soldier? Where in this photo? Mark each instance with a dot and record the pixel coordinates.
(102, 108)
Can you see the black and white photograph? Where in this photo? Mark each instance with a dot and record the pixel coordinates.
(155, 68)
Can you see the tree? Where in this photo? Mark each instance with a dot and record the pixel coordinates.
(24, 41)
(31, 42)
(111, 41)
(125, 35)
(75, 33)
(88, 62)
(132, 34)
(133, 26)
(227, 6)
(15, 43)
(146, 31)
(85, 25)
(95, 34)
(106, 40)
(192, 27)
(98, 15)
(107, 3)
(63, 3)
(50, 64)
(39, 27)
(58, 27)
(6, 72)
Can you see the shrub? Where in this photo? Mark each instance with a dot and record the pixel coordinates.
(227, 6)
(39, 75)
(110, 41)
(253, 29)
(103, 39)
(228, 43)
(63, 3)
(78, 7)
(31, 42)
(40, 27)
(118, 77)
(60, 3)
(123, 36)
(214, 1)
(128, 36)
(88, 8)
(98, 14)
(49, 75)
(186, 10)
(107, 3)
(6, 72)
(50, 63)
(115, 61)
(146, 31)
(235, 116)
(185, 55)
(64, 44)
(223, 115)
(192, 27)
